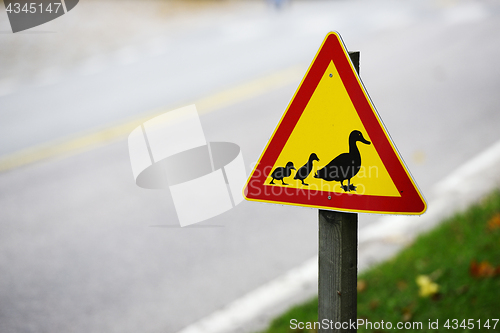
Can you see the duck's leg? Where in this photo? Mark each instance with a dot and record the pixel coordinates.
(302, 180)
(351, 186)
(272, 181)
(345, 188)
(283, 182)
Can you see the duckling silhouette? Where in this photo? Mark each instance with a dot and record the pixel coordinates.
(306, 169)
(281, 172)
(346, 165)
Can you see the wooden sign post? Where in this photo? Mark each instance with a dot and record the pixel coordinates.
(338, 270)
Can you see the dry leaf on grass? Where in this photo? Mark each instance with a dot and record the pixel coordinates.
(402, 285)
(483, 269)
(374, 304)
(361, 285)
(494, 222)
(407, 314)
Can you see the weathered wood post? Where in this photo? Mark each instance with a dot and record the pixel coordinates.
(338, 269)
(338, 264)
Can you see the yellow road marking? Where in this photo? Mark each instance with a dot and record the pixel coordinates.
(84, 142)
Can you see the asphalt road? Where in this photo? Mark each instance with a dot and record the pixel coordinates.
(82, 249)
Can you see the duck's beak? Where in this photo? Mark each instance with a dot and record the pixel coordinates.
(293, 168)
(366, 142)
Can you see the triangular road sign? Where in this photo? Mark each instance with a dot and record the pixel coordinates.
(330, 149)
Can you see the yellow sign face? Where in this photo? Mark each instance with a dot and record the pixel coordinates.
(324, 129)
(331, 150)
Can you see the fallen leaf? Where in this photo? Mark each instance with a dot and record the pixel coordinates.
(407, 314)
(436, 297)
(494, 222)
(402, 285)
(427, 287)
(361, 286)
(483, 269)
(374, 304)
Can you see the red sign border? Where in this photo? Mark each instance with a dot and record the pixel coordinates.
(410, 202)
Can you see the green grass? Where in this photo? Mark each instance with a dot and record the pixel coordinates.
(445, 255)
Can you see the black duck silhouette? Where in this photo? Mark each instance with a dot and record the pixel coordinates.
(306, 169)
(282, 172)
(346, 165)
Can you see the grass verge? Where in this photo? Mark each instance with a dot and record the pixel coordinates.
(451, 272)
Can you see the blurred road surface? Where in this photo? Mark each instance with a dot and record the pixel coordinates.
(82, 249)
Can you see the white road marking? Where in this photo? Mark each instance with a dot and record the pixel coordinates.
(260, 301)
